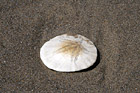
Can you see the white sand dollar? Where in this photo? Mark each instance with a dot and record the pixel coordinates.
(67, 53)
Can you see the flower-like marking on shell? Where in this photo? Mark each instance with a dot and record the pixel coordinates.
(72, 48)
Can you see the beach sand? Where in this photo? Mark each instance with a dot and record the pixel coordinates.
(114, 27)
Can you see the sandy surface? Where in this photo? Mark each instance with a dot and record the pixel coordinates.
(113, 26)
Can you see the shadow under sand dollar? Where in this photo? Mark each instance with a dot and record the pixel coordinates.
(94, 65)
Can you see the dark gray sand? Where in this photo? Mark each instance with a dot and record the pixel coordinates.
(113, 26)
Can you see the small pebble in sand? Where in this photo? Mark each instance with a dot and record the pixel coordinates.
(68, 53)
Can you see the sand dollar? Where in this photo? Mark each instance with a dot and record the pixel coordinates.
(68, 53)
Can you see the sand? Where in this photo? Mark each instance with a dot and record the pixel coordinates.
(112, 25)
